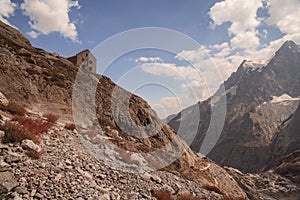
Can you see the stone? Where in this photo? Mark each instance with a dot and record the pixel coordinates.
(30, 145)
(13, 157)
(2, 134)
(39, 196)
(155, 178)
(3, 99)
(58, 177)
(21, 190)
(7, 181)
(123, 180)
(104, 197)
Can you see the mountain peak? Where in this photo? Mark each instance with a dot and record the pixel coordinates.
(288, 48)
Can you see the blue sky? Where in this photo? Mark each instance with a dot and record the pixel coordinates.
(228, 31)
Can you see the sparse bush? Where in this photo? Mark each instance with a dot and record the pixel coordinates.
(212, 188)
(35, 126)
(15, 132)
(162, 195)
(186, 196)
(91, 133)
(51, 117)
(14, 108)
(33, 154)
(71, 127)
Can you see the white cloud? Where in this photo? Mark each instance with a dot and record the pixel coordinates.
(7, 9)
(33, 34)
(171, 70)
(286, 16)
(51, 16)
(148, 59)
(193, 56)
(243, 18)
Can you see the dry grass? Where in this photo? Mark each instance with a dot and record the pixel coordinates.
(166, 195)
(51, 117)
(187, 196)
(35, 126)
(24, 128)
(33, 154)
(162, 195)
(14, 108)
(212, 188)
(15, 132)
(71, 127)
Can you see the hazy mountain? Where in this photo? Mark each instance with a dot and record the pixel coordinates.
(261, 101)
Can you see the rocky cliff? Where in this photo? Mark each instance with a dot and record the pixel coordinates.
(261, 106)
(70, 166)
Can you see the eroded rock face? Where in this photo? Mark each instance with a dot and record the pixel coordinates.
(280, 182)
(261, 101)
(3, 99)
(289, 167)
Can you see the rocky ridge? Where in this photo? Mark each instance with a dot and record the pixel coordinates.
(261, 102)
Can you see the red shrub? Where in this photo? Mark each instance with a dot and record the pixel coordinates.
(162, 195)
(212, 188)
(91, 133)
(152, 163)
(35, 126)
(14, 108)
(16, 133)
(186, 196)
(70, 127)
(126, 157)
(51, 117)
(33, 154)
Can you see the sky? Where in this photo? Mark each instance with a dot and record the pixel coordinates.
(226, 32)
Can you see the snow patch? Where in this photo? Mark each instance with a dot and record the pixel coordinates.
(252, 66)
(284, 97)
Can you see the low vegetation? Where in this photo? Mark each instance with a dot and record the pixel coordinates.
(24, 128)
(13, 108)
(166, 195)
(35, 126)
(71, 127)
(15, 132)
(212, 188)
(52, 118)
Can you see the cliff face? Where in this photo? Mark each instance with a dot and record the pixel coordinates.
(261, 101)
(45, 82)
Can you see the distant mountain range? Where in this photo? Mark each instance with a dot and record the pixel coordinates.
(262, 114)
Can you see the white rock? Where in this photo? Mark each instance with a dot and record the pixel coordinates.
(2, 134)
(155, 178)
(29, 144)
(3, 99)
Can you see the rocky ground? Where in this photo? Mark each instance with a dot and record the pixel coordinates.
(66, 170)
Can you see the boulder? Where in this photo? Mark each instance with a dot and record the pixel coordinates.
(30, 145)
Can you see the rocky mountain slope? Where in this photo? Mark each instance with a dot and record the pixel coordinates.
(83, 164)
(260, 125)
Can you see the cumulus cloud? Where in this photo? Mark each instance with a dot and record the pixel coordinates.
(50, 16)
(193, 56)
(285, 15)
(245, 30)
(33, 34)
(148, 59)
(7, 9)
(171, 70)
(243, 18)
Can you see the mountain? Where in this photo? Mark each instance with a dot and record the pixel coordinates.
(97, 156)
(262, 104)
